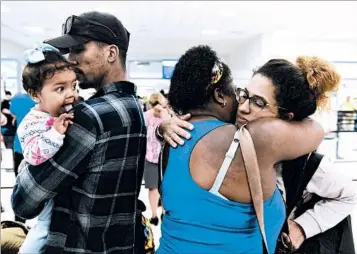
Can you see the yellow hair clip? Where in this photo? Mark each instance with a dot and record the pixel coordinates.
(217, 72)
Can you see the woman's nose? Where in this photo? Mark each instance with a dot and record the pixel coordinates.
(244, 107)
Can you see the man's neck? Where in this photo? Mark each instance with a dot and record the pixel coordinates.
(113, 77)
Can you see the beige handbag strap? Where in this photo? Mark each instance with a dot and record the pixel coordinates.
(254, 182)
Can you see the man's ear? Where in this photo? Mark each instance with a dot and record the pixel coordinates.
(113, 53)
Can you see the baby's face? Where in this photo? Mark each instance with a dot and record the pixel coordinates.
(58, 92)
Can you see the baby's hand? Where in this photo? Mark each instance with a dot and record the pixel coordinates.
(62, 122)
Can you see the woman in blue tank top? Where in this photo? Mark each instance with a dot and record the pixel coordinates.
(207, 203)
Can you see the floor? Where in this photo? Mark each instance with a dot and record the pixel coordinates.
(347, 166)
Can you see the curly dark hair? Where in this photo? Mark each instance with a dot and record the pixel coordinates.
(303, 87)
(190, 83)
(34, 75)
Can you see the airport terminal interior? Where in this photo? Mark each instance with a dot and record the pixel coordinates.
(245, 35)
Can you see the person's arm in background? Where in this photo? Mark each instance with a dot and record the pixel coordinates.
(37, 184)
(5, 109)
(3, 119)
(8, 112)
(340, 198)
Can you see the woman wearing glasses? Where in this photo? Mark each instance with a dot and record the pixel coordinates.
(210, 211)
(284, 90)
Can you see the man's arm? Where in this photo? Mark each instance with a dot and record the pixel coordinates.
(37, 184)
(340, 198)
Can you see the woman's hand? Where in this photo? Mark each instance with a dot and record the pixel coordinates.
(296, 233)
(173, 129)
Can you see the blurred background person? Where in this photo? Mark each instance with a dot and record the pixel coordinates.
(9, 128)
(153, 117)
(162, 91)
(3, 122)
(21, 104)
(348, 105)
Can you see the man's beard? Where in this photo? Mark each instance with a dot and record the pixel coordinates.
(86, 83)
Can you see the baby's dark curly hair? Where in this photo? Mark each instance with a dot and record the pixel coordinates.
(191, 83)
(35, 74)
(303, 87)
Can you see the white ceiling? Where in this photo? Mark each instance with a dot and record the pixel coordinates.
(167, 29)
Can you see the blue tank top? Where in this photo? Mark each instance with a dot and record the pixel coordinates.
(197, 221)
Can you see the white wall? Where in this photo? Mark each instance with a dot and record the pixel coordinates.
(245, 58)
(289, 45)
(10, 49)
(260, 49)
(334, 51)
(15, 51)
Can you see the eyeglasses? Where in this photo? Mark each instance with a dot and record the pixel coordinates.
(67, 26)
(256, 103)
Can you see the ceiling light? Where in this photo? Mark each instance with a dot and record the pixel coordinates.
(34, 29)
(169, 63)
(209, 32)
(237, 32)
(4, 9)
(229, 13)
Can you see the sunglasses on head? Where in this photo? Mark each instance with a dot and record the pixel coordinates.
(67, 26)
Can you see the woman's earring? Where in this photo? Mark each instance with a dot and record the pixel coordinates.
(224, 104)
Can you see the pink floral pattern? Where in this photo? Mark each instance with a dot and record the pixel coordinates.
(39, 141)
(50, 122)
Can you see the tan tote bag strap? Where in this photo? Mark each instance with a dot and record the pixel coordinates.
(254, 180)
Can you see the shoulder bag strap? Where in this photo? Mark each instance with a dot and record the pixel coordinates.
(254, 181)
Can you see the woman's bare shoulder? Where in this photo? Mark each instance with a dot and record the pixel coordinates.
(221, 137)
